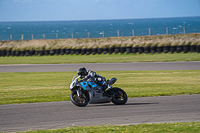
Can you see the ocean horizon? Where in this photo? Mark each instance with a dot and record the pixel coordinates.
(97, 28)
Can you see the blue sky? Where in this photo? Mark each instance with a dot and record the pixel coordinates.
(48, 10)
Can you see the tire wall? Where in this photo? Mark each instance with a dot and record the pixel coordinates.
(113, 50)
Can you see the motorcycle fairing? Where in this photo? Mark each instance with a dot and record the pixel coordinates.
(86, 85)
(94, 96)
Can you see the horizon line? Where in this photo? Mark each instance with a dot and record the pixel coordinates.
(98, 19)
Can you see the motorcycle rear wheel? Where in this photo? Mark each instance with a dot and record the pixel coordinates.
(120, 96)
(81, 101)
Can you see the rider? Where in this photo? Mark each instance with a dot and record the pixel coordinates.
(91, 75)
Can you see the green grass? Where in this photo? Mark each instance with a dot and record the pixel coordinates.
(113, 58)
(54, 86)
(184, 127)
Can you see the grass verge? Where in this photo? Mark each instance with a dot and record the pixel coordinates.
(184, 127)
(54, 86)
(113, 58)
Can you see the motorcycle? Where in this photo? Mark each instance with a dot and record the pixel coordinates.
(90, 92)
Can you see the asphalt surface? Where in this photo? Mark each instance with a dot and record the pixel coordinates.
(24, 117)
(102, 67)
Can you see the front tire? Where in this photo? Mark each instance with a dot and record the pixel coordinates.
(81, 101)
(119, 97)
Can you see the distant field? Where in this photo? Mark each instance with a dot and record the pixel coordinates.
(113, 58)
(54, 86)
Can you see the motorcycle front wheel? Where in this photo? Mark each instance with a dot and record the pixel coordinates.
(119, 97)
(80, 101)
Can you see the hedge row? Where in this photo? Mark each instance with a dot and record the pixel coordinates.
(93, 51)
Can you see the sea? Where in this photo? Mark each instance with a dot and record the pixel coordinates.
(97, 28)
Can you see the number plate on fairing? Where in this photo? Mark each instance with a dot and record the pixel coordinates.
(86, 85)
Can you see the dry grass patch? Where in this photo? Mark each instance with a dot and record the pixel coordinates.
(156, 40)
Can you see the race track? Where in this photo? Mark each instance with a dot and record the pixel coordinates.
(102, 67)
(23, 117)
(53, 115)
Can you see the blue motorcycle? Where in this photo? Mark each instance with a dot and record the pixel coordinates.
(90, 92)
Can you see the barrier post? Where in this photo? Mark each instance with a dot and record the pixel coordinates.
(10, 37)
(167, 31)
(44, 36)
(149, 31)
(72, 35)
(184, 30)
(103, 33)
(32, 36)
(22, 38)
(133, 32)
(118, 33)
(88, 34)
(56, 35)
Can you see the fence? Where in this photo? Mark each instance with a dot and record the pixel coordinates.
(86, 35)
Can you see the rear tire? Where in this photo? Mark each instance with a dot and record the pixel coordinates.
(120, 96)
(81, 101)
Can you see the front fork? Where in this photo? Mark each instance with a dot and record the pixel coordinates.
(79, 93)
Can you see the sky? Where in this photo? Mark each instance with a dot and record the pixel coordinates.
(55, 10)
